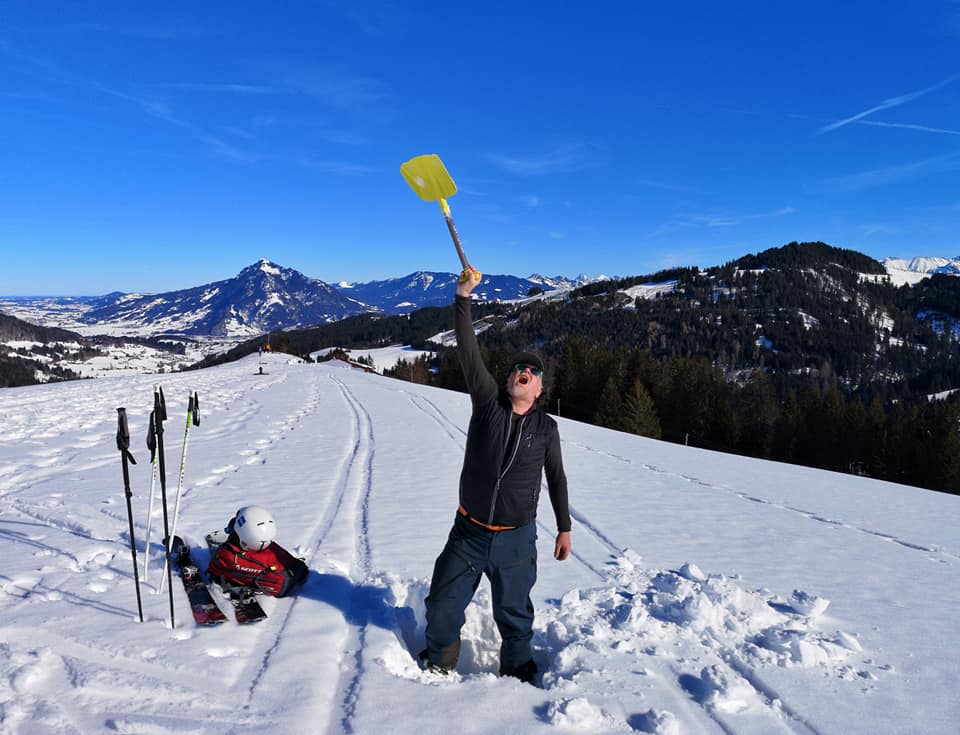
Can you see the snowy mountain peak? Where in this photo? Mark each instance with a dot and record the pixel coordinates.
(266, 296)
(554, 282)
(264, 267)
(914, 270)
(921, 264)
(426, 288)
(263, 297)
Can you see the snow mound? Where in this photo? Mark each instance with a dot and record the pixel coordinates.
(580, 714)
(659, 722)
(726, 692)
(808, 605)
(648, 611)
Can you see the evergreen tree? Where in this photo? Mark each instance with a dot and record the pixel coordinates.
(947, 477)
(786, 429)
(568, 381)
(639, 412)
(610, 408)
(878, 439)
(758, 416)
(856, 431)
(413, 371)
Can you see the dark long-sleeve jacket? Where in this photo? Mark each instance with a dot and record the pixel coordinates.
(500, 480)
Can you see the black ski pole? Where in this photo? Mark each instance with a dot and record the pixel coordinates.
(123, 444)
(193, 417)
(152, 446)
(159, 416)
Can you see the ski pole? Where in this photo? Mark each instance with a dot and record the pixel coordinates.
(152, 446)
(123, 444)
(193, 417)
(160, 415)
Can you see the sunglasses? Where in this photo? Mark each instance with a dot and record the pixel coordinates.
(534, 371)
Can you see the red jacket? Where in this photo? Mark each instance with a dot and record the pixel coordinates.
(273, 571)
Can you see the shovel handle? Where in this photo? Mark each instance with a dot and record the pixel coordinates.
(445, 208)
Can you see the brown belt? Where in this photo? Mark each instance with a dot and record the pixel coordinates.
(463, 511)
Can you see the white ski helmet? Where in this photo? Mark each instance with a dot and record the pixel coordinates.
(255, 527)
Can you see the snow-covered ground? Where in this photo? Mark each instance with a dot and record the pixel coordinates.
(51, 311)
(383, 357)
(650, 290)
(125, 357)
(116, 359)
(707, 593)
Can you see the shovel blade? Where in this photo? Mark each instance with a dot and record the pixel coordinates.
(428, 177)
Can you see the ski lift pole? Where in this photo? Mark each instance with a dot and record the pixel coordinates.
(193, 417)
(123, 444)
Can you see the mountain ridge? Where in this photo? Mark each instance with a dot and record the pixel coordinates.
(262, 297)
(268, 298)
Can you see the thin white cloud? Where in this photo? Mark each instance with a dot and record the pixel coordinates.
(333, 85)
(887, 104)
(225, 87)
(341, 168)
(28, 95)
(893, 174)
(567, 158)
(317, 126)
(157, 31)
(264, 121)
(717, 220)
(240, 133)
(337, 137)
(374, 19)
(151, 106)
(344, 137)
(736, 219)
(667, 186)
(878, 228)
(161, 110)
(908, 126)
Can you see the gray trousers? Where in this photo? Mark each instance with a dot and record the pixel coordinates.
(509, 559)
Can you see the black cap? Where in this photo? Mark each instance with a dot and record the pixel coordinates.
(528, 358)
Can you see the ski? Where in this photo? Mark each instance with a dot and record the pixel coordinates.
(204, 607)
(246, 608)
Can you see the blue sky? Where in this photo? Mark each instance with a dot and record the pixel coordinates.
(157, 146)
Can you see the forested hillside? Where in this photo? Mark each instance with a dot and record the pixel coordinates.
(805, 353)
(31, 354)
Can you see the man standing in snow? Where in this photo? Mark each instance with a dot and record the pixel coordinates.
(510, 442)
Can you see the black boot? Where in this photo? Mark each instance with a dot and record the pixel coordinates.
(525, 672)
(447, 662)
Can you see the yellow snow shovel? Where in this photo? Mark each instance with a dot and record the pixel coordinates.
(428, 177)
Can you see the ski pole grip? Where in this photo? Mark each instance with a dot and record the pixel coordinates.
(160, 407)
(123, 432)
